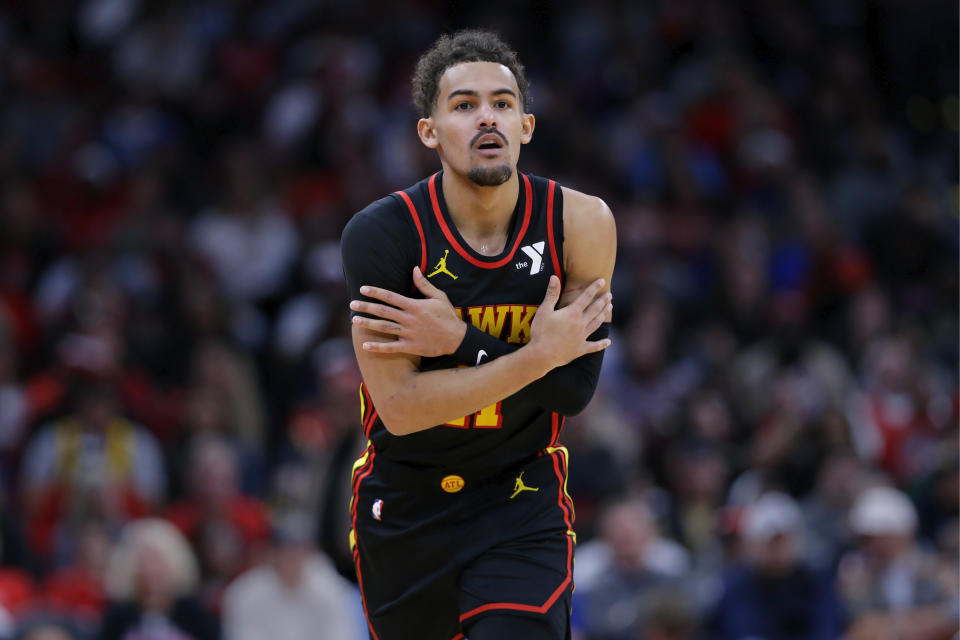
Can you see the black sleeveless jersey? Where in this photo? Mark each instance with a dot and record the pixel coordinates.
(497, 294)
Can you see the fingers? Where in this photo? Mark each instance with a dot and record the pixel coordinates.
(598, 306)
(425, 286)
(588, 294)
(380, 326)
(385, 295)
(392, 346)
(599, 318)
(553, 293)
(592, 346)
(374, 309)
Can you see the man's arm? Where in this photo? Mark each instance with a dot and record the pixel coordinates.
(589, 243)
(409, 400)
(430, 327)
(589, 249)
(378, 248)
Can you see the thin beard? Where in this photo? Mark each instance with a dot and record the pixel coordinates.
(490, 176)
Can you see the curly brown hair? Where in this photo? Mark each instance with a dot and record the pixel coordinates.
(468, 45)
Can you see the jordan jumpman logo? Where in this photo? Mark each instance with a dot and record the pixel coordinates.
(442, 266)
(518, 486)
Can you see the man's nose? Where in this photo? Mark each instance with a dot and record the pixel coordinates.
(487, 118)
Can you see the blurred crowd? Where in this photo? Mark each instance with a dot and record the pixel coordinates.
(772, 451)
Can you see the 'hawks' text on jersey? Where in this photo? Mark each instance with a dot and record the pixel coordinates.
(497, 294)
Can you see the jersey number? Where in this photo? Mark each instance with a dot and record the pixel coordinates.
(487, 418)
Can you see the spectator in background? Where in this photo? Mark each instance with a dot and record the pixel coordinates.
(890, 418)
(246, 239)
(92, 462)
(207, 414)
(616, 573)
(645, 378)
(891, 586)
(229, 373)
(669, 615)
(249, 243)
(841, 479)
(152, 581)
(697, 476)
(78, 590)
(226, 528)
(223, 400)
(295, 593)
(773, 595)
(320, 448)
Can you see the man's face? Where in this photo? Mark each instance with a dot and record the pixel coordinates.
(777, 555)
(478, 123)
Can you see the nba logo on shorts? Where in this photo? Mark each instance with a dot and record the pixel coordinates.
(377, 508)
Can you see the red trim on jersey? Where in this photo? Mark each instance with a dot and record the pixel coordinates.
(416, 221)
(363, 599)
(512, 606)
(562, 498)
(550, 239)
(371, 410)
(528, 207)
(359, 475)
(561, 420)
(365, 471)
(369, 425)
(459, 636)
(554, 428)
(367, 403)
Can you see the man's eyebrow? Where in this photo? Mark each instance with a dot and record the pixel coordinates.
(471, 92)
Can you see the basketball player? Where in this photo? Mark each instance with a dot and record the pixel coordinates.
(481, 297)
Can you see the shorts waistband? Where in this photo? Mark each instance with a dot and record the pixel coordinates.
(452, 478)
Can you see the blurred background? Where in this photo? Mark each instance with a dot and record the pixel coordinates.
(773, 448)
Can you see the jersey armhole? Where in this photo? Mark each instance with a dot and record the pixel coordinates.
(416, 221)
(555, 228)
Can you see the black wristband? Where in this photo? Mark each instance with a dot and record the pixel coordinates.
(479, 346)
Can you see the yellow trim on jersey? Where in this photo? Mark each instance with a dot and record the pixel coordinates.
(362, 460)
(363, 405)
(566, 463)
(353, 540)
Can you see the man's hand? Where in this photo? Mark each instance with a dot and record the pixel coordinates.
(427, 327)
(430, 327)
(560, 335)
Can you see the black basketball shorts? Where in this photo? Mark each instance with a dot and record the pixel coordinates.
(437, 549)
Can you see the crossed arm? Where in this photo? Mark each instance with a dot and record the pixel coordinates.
(560, 364)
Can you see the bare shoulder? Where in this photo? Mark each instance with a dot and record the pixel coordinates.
(589, 240)
(582, 208)
(588, 223)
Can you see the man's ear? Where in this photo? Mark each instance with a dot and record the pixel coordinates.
(527, 124)
(428, 135)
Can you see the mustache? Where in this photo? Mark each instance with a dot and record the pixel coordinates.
(487, 131)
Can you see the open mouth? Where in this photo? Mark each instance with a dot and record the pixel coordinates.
(490, 142)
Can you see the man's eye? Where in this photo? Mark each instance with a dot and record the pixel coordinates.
(502, 104)
(463, 106)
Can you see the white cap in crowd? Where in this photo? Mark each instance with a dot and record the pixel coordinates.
(774, 513)
(881, 511)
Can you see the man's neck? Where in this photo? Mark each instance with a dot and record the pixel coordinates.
(482, 214)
